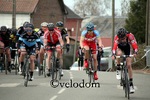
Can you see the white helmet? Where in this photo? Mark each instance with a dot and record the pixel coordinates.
(44, 24)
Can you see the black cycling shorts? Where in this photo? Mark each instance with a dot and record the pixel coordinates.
(125, 49)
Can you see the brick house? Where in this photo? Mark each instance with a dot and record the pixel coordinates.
(38, 11)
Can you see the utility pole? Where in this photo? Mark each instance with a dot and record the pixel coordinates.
(14, 15)
(113, 32)
(77, 28)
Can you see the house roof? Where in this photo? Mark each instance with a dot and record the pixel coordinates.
(22, 6)
(71, 14)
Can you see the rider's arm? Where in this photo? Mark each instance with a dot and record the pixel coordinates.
(66, 36)
(133, 42)
(115, 45)
(45, 38)
(99, 40)
(82, 38)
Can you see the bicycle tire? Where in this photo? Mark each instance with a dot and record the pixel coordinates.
(59, 70)
(26, 74)
(44, 65)
(127, 89)
(54, 71)
(5, 63)
(16, 65)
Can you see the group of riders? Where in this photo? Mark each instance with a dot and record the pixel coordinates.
(34, 42)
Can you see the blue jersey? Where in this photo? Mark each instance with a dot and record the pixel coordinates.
(29, 40)
(90, 36)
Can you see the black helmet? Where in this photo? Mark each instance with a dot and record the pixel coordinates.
(29, 25)
(59, 24)
(51, 26)
(121, 32)
(3, 28)
(90, 26)
(24, 24)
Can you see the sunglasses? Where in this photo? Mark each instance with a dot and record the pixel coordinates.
(90, 30)
(29, 30)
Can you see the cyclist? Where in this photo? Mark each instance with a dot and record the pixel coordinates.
(80, 56)
(43, 29)
(5, 42)
(20, 31)
(52, 37)
(65, 37)
(29, 41)
(123, 42)
(88, 40)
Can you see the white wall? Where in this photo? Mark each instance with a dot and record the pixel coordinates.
(6, 19)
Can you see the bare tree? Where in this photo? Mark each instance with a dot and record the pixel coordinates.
(125, 6)
(91, 7)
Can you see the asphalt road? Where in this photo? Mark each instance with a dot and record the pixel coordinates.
(73, 86)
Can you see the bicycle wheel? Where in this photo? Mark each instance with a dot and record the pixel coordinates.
(5, 63)
(44, 65)
(54, 70)
(59, 71)
(122, 79)
(26, 74)
(90, 77)
(16, 65)
(127, 88)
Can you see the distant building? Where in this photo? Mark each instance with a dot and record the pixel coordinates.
(38, 11)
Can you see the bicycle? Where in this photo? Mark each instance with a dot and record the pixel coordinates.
(124, 75)
(43, 70)
(26, 67)
(55, 66)
(16, 61)
(90, 71)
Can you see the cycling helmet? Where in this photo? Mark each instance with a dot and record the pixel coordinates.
(50, 26)
(29, 25)
(24, 24)
(121, 32)
(59, 24)
(44, 24)
(3, 28)
(90, 26)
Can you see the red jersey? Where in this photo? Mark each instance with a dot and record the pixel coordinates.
(130, 39)
(52, 36)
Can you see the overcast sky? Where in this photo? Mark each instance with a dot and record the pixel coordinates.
(70, 4)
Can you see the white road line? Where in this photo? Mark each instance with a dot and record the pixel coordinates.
(121, 87)
(9, 84)
(71, 76)
(61, 91)
(53, 98)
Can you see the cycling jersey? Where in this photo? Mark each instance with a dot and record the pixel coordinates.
(90, 39)
(52, 36)
(41, 35)
(130, 40)
(5, 38)
(29, 40)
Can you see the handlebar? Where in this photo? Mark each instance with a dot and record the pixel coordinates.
(124, 56)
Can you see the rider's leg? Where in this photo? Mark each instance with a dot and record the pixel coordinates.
(8, 54)
(86, 57)
(21, 58)
(41, 57)
(32, 65)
